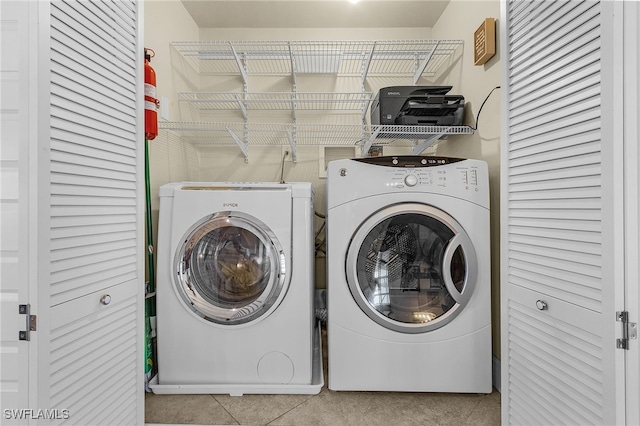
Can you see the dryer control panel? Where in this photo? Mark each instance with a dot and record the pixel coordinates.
(467, 176)
(410, 171)
(464, 178)
(408, 161)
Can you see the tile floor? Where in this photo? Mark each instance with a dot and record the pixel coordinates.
(326, 408)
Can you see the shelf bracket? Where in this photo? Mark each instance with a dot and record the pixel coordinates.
(243, 72)
(293, 65)
(367, 144)
(243, 107)
(244, 146)
(426, 143)
(424, 64)
(292, 144)
(366, 64)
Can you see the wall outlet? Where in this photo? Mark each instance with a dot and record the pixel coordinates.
(285, 153)
(165, 105)
(330, 153)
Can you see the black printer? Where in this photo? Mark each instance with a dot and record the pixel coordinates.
(417, 105)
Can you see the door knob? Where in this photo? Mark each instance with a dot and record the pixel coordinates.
(541, 305)
(105, 299)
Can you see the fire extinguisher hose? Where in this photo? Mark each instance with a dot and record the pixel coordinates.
(150, 305)
(150, 251)
(150, 132)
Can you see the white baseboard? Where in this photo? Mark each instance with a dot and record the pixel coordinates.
(496, 374)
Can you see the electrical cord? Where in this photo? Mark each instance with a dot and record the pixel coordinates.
(323, 241)
(480, 110)
(319, 231)
(284, 156)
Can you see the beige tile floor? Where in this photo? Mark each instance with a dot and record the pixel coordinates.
(326, 408)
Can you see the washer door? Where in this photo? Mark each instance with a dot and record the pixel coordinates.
(230, 269)
(411, 267)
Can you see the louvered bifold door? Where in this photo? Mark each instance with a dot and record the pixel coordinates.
(556, 300)
(96, 280)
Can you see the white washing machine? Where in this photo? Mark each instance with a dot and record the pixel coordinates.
(235, 289)
(408, 275)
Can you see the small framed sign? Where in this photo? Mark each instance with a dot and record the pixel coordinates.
(484, 42)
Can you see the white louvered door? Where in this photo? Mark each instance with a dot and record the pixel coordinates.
(631, 13)
(561, 195)
(81, 161)
(16, 136)
(95, 240)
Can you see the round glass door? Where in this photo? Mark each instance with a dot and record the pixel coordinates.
(411, 268)
(230, 269)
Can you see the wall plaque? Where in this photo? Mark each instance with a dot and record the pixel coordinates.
(484, 42)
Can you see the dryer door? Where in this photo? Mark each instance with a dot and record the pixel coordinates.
(411, 267)
(230, 269)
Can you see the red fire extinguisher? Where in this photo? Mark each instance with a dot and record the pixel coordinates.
(151, 103)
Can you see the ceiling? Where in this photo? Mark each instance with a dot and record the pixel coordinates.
(315, 13)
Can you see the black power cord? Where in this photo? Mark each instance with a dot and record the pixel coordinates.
(284, 156)
(480, 110)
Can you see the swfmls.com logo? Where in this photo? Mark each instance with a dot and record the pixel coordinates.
(31, 414)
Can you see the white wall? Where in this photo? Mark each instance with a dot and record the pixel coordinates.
(315, 33)
(166, 21)
(459, 21)
(170, 160)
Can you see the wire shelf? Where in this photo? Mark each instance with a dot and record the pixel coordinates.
(220, 134)
(261, 134)
(397, 58)
(347, 58)
(195, 103)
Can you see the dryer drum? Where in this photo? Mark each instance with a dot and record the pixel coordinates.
(397, 246)
(400, 263)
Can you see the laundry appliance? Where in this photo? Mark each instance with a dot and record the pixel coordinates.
(235, 289)
(408, 275)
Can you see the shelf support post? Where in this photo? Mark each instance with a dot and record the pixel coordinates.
(293, 84)
(294, 105)
(365, 71)
(292, 144)
(424, 64)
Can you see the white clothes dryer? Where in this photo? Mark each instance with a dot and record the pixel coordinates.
(408, 275)
(235, 289)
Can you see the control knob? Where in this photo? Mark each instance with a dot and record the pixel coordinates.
(411, 180)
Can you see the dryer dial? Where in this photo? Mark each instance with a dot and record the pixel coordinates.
(411, 180)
